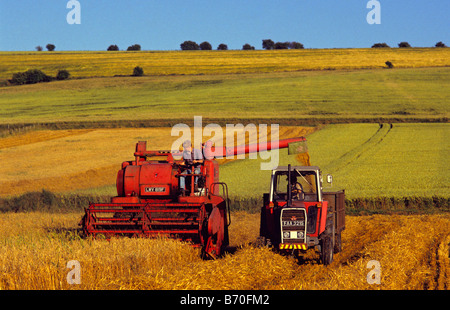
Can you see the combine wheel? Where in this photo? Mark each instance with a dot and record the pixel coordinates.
(213, 234)
(212, 249)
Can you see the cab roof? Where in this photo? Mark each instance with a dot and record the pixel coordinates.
(300, 168)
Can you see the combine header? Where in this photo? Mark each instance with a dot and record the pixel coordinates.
(150, 202)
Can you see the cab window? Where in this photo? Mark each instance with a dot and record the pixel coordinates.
(307, 181)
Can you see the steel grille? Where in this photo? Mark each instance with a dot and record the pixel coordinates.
(293, 225)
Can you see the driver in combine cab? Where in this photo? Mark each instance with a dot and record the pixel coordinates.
(207, 150)
(193, 159)
(296, 189)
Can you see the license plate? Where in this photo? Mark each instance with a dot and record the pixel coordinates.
(155, 189)
(294, 223)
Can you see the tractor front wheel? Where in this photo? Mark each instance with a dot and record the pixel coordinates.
(326, 253)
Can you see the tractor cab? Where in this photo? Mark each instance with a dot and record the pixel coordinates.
(304, 183)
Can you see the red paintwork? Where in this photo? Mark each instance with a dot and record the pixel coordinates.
(148, 201)
(321, 220)
(256, 147)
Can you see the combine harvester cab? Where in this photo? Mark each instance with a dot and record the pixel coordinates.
(149, 202)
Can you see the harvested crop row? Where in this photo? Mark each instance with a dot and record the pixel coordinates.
(96, 177)
(39, 136)
(443, 261)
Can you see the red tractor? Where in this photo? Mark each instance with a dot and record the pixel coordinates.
(298, 215)
(149, 200)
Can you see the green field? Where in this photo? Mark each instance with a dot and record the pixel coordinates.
(417, 94)
(365, 160)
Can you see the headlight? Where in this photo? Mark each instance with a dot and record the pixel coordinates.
(286, 234)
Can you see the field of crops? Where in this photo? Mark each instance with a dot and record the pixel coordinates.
(85, 162)
(403, 153)
(36, 247)
(76, 159)
(92, 64)
(366, 160)
(363, 159)
(418, 94)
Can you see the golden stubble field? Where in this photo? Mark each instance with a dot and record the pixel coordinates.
(102, 63)
(412, 250)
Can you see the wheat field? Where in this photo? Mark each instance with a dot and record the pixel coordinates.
(36, 247)
(94, 64)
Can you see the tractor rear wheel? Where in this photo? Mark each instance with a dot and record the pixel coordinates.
(327, 242)
(337, 243)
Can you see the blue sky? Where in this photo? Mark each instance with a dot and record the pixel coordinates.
(164, 24)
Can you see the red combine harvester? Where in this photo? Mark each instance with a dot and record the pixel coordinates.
(149, 200)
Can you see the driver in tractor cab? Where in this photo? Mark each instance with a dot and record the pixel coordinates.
(193, 159)
(296, 188)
